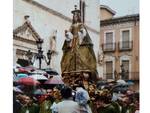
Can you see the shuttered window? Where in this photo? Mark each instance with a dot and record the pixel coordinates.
(109, 40)
(125, 39)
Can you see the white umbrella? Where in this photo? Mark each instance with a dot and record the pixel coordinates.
(121, 82)
(17, 66)
(38, 77)
(16, 89)
(39, 72)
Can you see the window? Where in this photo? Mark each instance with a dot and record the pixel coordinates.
(109, 69)
(109, 45)
(125, 38)
(109, 39)
(125, 64)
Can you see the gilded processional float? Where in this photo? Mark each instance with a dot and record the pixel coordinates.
(78, 63)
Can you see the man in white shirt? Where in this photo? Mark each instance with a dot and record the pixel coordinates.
(67, 105)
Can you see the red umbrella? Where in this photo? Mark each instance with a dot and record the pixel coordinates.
(22, 70)
(54, 80)
(28, 81)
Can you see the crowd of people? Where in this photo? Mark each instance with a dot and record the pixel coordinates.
(77, 100)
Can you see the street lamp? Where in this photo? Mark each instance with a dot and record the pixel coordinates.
(39, 55)
(39, 44)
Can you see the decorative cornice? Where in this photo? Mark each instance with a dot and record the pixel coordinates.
(25, 25)
(20, 51)
(128, 18)
(28, 48)
(119, 25)
(56, 13)
(24, 40)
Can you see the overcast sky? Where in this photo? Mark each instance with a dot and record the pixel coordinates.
(122, 7)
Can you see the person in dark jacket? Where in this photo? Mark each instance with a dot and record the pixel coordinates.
(16, 104)
(103, 106)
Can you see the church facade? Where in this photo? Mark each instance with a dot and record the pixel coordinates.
(48, 20)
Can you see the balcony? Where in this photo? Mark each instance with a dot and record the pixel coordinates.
(109, 47)
(131, 76)
(125, 45)
(128, 76)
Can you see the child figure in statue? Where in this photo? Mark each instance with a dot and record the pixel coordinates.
(69, 38)
(81, 34)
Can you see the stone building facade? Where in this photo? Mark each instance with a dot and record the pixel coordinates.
(119, 37)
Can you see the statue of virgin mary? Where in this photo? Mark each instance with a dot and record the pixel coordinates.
(78, 55)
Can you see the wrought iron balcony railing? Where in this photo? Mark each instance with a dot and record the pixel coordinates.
(125, 45)
(109, 75)
(109, 47)
(131, 76)
(128, 76)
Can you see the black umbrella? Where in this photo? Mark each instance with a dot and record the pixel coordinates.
(51, 71)
(101, 83)
(120, 87)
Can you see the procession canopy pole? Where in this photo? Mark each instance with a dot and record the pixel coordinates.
(82, 9)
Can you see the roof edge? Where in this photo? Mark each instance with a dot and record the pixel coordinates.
(108, 9)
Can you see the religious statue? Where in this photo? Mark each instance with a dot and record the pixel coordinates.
(78, 54)
(100, 58)
(76, 27)
(53, 39)
(53, 51)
